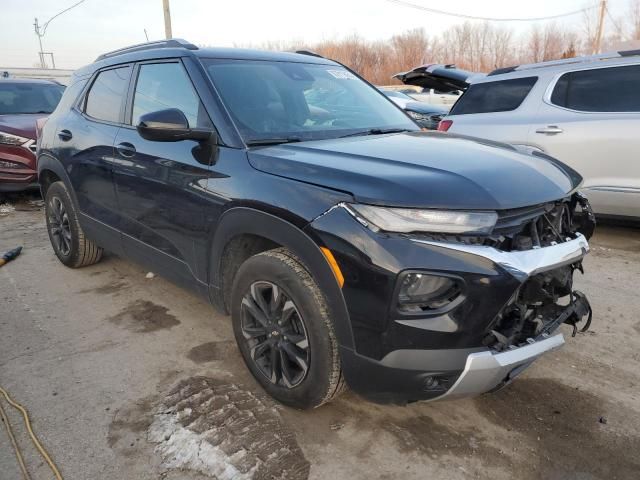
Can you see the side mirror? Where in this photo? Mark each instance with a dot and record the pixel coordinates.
(171, 125)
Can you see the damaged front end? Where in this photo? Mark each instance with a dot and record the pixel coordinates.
(542, 246)
(546, 298)
(479, 309)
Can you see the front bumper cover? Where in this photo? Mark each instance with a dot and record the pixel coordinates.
(485, 371)
(394, 358)
(525, 263)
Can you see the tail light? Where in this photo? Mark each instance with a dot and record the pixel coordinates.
(444, 125)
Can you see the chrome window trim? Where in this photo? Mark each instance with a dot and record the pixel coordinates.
(554, 80)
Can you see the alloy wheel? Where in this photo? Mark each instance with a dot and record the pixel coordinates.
(59, 226)
(275, 333)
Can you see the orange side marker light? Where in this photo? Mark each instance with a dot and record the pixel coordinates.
(334, 265)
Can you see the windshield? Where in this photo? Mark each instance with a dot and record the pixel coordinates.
(301, 101)
(17, 97)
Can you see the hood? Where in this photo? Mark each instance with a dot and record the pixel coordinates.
(23, 125)
(444, 78)
(422, 170)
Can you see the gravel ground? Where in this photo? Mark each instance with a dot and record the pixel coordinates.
(131, 377)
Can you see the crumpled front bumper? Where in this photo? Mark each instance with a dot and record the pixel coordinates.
(486, 371)
(394, 357)
(523, 264)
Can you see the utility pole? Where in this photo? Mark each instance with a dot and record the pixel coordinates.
(42, 29)
(41, 52)
(598, 40)
(167, 19)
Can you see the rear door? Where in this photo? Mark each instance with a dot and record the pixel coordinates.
(86, 136)
(161, 185)
(500, 110)
(590, 120)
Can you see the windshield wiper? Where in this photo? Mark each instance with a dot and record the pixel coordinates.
(376, 131)
(272, 141)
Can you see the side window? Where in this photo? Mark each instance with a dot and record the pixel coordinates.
(166, 85)
(106, 95)
(613, 89)
(500, 96)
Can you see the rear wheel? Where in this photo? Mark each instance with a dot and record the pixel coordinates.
(68, 240)
(282, 327)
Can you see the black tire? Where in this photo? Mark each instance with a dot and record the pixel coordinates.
(69, 242)
(287, 326)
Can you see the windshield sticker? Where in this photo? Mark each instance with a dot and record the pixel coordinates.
(342, 74)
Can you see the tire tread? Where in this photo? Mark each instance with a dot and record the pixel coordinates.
(87, 252)
(337, 384)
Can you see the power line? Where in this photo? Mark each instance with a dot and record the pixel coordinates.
(46, 24)
(488, 19)
(42, 29)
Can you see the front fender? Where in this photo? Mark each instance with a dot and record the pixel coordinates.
(242, 221)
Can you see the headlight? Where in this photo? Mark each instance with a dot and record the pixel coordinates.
(8, 139)
(416, 115)
(420, 292)
(406, 220)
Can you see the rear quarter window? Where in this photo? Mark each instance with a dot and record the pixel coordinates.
(613, 89)
(106, 95)
(499, 96)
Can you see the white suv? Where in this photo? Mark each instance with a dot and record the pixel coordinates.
(584, 111)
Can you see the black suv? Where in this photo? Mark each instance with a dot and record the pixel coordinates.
(348, 245)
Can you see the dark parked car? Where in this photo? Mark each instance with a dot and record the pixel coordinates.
(22, 103)
(348, 245)
(426, 115)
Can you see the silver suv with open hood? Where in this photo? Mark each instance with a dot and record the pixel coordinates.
(585, 111)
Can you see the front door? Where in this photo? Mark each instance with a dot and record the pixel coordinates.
(161, 186)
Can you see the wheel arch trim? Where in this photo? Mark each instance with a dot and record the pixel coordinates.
(48, 162)
(249, 221)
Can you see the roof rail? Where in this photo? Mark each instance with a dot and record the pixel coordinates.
(309, 52)
(170, 43)
(499, 71)
(568, 61)
(629, 53)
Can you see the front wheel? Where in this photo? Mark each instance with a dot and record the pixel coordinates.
(284, 332)
(68, 240)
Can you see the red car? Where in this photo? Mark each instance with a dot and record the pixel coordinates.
(22, 103)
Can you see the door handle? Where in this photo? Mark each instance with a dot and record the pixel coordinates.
(550, 130)
(65, 135)
(126, 149)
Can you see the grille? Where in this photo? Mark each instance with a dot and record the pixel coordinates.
(513, 220)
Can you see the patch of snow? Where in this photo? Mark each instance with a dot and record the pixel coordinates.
(181, 448)
(6, 208)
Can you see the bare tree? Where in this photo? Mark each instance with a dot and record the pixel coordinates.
(550, 43)
(473, 46)
(411, 46)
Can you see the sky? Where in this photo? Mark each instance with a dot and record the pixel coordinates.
(78, 36)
